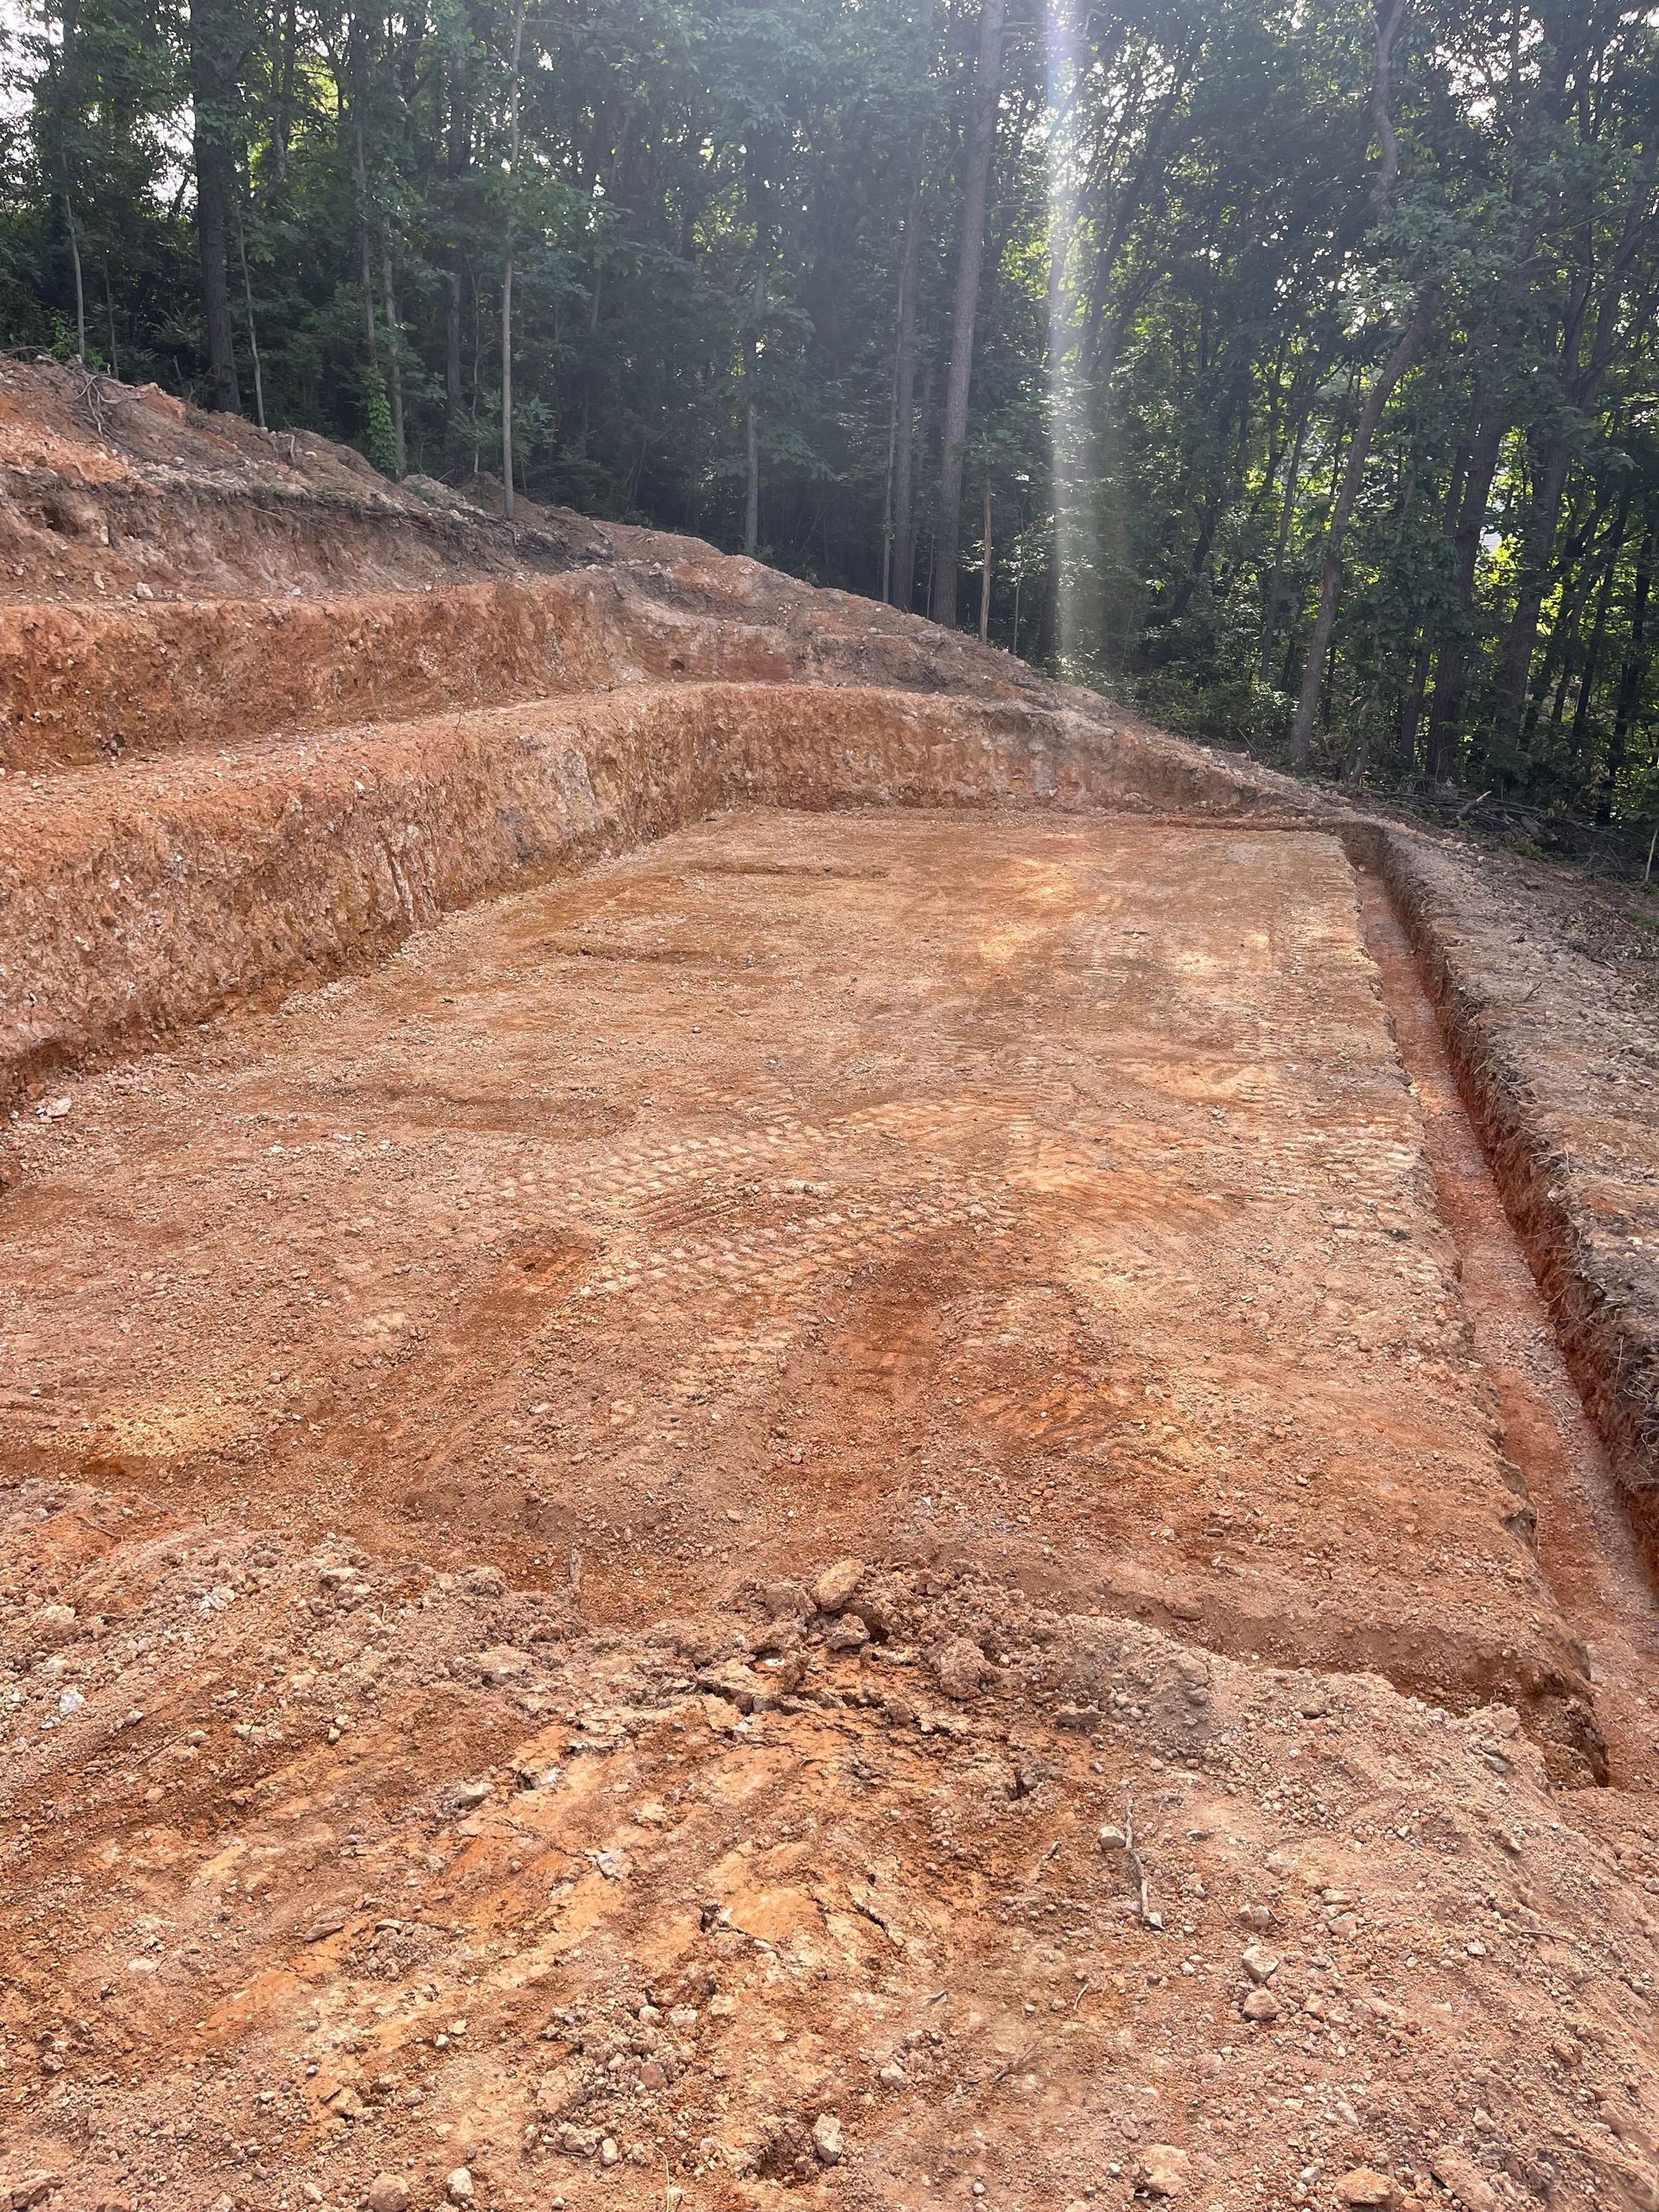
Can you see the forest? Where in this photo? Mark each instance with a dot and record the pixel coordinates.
(1286, 366)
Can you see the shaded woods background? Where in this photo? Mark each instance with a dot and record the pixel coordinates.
(1302, 357)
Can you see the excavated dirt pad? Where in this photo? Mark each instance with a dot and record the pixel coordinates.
(808, 1179)
(1036, 1211)
(1042, 1191)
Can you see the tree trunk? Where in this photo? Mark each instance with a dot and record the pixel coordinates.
(506, 273)
(253, 333)
(1589, 658)
(1359, 447)
(752, 417)
(80, 286)
(1272, 611)
(981, 144)
(1452, 662)
(1521, 635)
(901, 585)
(215, 59)
(394, 365)
(360, 168)
(1632, 676)
(985, 574)
(452, 401)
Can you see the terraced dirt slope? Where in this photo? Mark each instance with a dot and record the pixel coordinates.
(769, 1431)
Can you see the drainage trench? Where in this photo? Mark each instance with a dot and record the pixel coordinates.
(1586, 1549)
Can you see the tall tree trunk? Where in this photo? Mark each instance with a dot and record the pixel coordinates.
(1272, 611)
(985, 574)
(506, 272)
(253, 333)
(215, 60)
(1633, 676)
(1520, 639)
(80, 283)
(901, 582)
(1590, 658)
(752, 416)
(452, 400)
(394, 347)
(1359, 447)
(360, 168)
(971, 248)
(1467, 518)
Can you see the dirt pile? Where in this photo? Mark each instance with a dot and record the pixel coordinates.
(796, 1449)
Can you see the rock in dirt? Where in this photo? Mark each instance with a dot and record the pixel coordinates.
(1456, 2172)
(835, 1586)
(1261, 2006)
(388, 2193)
(827, 2140)
(1260, 1963)
(1368, 2191)
(1163, 2170)
(848, 1634)
(458, 2187)
(560, 2093)
(19, 2191)
(960, 1667)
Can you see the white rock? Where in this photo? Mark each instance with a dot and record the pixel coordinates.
(827, 2140)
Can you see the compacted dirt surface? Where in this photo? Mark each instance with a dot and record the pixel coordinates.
(833, 1502)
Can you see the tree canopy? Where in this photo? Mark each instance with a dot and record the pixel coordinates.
(1290, 362)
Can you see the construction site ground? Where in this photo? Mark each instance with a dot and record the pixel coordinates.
(719, 1492)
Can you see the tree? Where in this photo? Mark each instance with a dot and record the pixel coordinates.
(980, 148)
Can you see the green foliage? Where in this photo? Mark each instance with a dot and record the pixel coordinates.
(379, 440)
(1188, 288)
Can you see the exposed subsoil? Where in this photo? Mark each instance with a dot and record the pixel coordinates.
(798, 1450)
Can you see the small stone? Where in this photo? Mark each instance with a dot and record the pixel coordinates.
(501, 1664)
(1163, 2170)
(458, 2187)
(835, 1586)
(1460, 2174)
(609, 2153)
(1113, 1838)
(1367, 2189)
(28, 2189)
(388, 2193)
(1260, 1963)
(559, 2093)
(827, 2140)
(1261, 2006)
(468, 1793)
(892, 2076)
(54, 1109)
(960, 1667)
(846, 1634)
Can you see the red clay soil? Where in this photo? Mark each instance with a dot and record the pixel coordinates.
(856, 1495)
